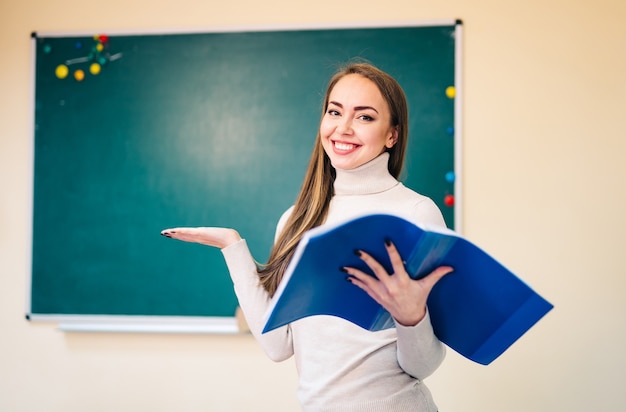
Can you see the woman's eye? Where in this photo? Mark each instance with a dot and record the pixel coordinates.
(366, 118)
(333, 112)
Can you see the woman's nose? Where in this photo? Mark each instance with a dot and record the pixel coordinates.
(345, 126)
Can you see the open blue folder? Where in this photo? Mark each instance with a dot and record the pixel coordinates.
(479, 310)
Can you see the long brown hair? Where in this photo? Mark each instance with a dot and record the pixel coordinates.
(312, 203)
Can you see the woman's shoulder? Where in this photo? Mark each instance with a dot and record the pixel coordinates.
(419, 207)
(282, 221)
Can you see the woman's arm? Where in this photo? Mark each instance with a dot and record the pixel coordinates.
(254, 301)
(252, 297)
(419, 351)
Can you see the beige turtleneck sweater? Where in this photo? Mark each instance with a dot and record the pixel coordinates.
(341, 366)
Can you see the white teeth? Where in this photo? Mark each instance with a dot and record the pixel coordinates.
(344, 146)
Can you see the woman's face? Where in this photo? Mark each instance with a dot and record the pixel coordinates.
(356, 127)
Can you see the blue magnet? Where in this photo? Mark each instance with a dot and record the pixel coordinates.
(450, 177)
(450, 130)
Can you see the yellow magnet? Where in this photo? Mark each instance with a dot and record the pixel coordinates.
(94, 68)
(79, 75)
(61, 71)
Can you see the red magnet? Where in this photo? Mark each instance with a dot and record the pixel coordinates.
(449, 200)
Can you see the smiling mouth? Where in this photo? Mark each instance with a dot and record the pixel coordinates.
(344, 147)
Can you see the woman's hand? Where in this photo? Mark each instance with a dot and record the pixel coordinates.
(211, 236)
(403, 297)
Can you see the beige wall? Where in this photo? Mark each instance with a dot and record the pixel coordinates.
(544, 186)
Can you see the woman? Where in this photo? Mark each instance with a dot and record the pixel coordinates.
(357, 159)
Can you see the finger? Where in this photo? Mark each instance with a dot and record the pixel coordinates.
(396, 260)
(379, 271)
(430, 280)
(168, 232)
(181, 233)
(365, 282)
(359, 277)
(174, 230)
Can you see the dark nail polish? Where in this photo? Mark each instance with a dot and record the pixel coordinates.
(343, 269)
(388, 242)
(349, 279)
(357, 252)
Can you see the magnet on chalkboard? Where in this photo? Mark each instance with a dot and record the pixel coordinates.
(448, 200)
(94, 68)
(61, 71)
(95, 60)
(450, 177)
(79, 75)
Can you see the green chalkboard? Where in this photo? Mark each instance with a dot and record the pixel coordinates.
(198, 129)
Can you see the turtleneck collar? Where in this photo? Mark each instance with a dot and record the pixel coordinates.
(371, 177)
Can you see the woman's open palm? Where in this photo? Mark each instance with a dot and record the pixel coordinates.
(211, 236)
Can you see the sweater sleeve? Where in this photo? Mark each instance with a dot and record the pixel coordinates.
(420, 352)
(427, 213)
(254, 301)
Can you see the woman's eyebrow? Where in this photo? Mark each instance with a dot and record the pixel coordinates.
(357, 108)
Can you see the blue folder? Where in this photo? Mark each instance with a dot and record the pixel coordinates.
(479, 310)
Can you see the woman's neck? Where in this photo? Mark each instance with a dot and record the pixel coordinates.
(371, 177)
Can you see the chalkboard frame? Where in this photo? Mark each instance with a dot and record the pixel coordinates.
(226, 324)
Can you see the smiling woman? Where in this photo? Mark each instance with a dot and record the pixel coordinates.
(357, 125)
(356, 160)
